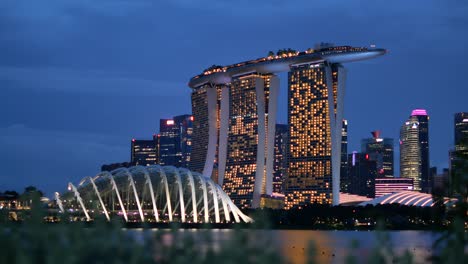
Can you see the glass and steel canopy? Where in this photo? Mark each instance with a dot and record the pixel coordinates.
(151, 194)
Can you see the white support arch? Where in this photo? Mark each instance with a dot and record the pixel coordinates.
(215, 200)
(114, 186)
(245, 218)
(232, 207)
(150, 186)
(194, 196)
(205, 197)
(132, 184)
(181, 193)
(59, 202)
(80, 201)
(227, 218)
(99, 197)
(162, 173)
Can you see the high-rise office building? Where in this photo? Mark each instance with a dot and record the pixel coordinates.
(184, 126)
(362, 172)
(234, 110)
(175, 140)
(279, 166)
(313, 114)
(440, 183)
(414, 150)
(344, 158)
(380, 150)
(144, 152)
(168, 135)
(461, 132)
(457, 164)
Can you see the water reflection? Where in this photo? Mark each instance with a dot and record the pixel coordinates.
(330, 246)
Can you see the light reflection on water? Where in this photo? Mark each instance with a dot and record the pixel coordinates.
(331, 246)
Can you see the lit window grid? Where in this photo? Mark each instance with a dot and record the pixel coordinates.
(241, 163)
(309, 154)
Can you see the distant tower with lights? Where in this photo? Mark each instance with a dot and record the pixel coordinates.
(414, 150)
(381, 151)
(175, 140)
(144, 152)
(461, 148)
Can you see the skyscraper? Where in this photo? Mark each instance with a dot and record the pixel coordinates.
(175, 140)
(380, 150)
(184, 126)
(461, 132)
(144, 152)
(457, 164)
(205, 110)
(245, 162)
(279, 167)
(414, 150)
(362, 171)
(235, 107)
(313, 113)
(344, 157)
(168, 134)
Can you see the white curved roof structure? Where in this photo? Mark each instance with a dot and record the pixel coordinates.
(151, 194)
(409, 198)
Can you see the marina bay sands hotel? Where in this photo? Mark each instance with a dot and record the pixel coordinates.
(235, 107)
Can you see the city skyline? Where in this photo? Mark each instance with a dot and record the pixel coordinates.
(67, 98)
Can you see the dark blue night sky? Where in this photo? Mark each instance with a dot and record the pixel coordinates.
(80, 78)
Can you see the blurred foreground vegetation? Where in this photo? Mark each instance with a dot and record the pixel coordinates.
(33, 241)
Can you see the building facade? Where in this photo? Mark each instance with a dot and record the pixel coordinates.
(344, 158)
(362, 172)
(414, 150)
(246, 144)
(381, 151)
(280, 166)
(235, 109)
(175, 141)
(168, 135)
(461, 132)
(201, 126)
(184, 126)
(457, 163)
(312, 116)
(144, 152)
(384, 186)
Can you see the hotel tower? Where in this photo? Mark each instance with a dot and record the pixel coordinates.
(234, 118)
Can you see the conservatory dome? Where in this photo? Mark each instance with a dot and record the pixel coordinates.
(151, 194)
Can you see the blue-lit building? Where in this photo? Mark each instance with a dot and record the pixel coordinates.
(144, 152)
(414, 150)
(381, 151)
(175, 141)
